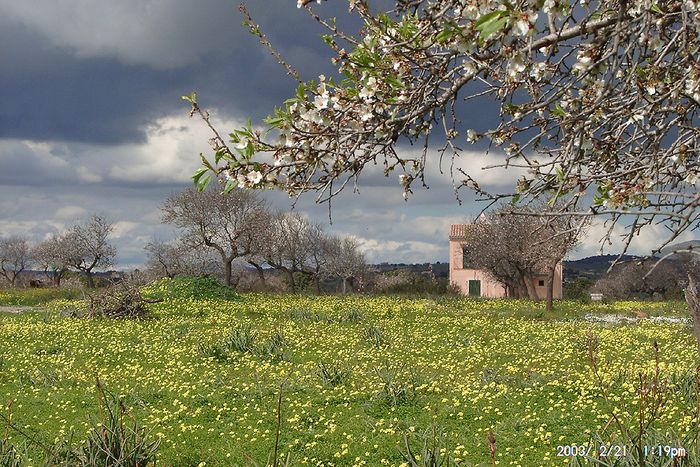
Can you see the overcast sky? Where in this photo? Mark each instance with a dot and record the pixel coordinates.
(91, 121)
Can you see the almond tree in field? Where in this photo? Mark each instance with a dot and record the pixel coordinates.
(226, 224)
(51, 255)
(87, 247)
(15, 257)
(598, 101)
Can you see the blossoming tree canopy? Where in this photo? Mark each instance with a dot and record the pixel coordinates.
(598, 101)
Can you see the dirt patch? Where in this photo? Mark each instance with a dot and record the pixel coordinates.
(15, 309)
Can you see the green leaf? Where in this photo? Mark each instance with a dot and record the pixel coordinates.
(558, 111)
(491, 22)
(515, 198)
(301, 92)
(198, 174)
(192, 98)
(655, 8)
(203, 183)
(206, 163)
(445, 35)
(230, 185)
(560, 174)
(273, 121)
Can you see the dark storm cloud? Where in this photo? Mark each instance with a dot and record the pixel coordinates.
(101, 79)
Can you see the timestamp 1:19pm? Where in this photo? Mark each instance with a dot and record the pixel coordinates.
(663, 450)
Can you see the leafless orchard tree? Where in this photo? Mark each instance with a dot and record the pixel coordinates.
(632, 277)
(87, 246)
(286, 244)
(226, 224)
(51, 255)
(15, 257)
(346, 261)
(170, 259)
(320, 254)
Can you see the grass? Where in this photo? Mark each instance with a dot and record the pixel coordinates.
(38, 296)
(468, 367)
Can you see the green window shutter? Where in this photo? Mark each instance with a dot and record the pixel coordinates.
(466, 264)
(475, 288)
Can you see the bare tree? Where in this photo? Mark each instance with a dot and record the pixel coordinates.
(51, 256)
(346, 261)
(503, 245)
(287, 247)
(15, 257)
(226, 224)
(637, 278)
(164, 259)
(170, 259)
(88, 248)
(320, 251)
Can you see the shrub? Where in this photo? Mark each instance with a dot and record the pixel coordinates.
(304, 315)
(274, 347)
(199, 288)
(11, 455)
(355, 315)
(121, 301)
(333, 374)
(117, 439)
(375, 336)
(434, 449)
(396, 388)
(240, 339)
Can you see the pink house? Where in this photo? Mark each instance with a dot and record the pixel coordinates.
(477, 283)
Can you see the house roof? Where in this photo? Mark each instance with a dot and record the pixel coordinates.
(458, 231)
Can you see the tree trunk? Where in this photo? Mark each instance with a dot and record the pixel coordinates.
(550, 289)
(531, 292)
(692, 298)
(228, 271)
(90, 280)
(317, 282)
(292, 285)
(260, 270)
(344, 285)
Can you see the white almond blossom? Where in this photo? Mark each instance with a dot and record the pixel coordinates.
(254, 177)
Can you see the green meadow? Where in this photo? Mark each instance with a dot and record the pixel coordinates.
(360, 380)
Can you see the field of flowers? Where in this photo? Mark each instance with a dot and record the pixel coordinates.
(360, 376)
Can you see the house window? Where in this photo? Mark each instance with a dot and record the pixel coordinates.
(466, 264)
(541, 283)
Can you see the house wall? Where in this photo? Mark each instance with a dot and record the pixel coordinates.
(490, 288)
(461, 277)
